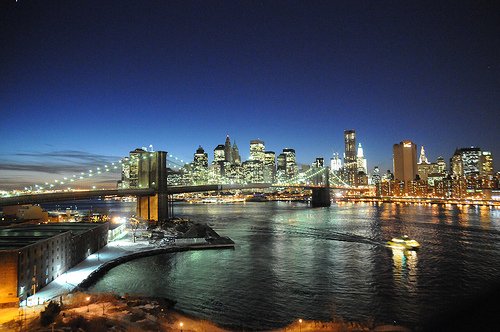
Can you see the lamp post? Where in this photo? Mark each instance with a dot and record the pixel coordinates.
(300, 324)
(88, 302)
(181, 324)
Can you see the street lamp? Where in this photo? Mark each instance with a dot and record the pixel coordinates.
(300, 324)
(88, 302)
(181, 324)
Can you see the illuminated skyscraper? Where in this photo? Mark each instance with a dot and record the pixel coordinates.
(227, 150)
(441, 165)
(281, 168)
(350, 157)
(405, 162)
(200, 166)
(466, 161)
(257, 149)
(269, 167)
(486, 164)
(424, 167)
(253, 171)
(422, 159)
(235, 154)
(290, 163)
(361, 160)
(335, 163)
(219, 153)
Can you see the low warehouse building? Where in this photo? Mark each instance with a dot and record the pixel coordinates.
(31, 256)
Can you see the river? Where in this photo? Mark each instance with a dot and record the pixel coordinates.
(292, 261)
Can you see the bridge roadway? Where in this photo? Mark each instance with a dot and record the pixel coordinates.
(82, 195)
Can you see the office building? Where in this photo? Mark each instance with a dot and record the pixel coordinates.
(350, 157)
(361, 160)
(200, 166)
(257, 149)
(335, 163)
(228, 155)
(405, 163)
(269, 167)
(291, 169)
(235, 154)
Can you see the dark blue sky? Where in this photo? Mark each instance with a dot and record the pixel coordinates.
(103, 77)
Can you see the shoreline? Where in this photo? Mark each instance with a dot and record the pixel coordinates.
(101, 270)
(103, 311)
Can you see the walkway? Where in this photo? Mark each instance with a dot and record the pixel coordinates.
(69, 280)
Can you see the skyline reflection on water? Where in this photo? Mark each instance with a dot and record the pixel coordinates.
(293, 261)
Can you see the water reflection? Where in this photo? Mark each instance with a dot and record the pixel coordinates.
(293, 261)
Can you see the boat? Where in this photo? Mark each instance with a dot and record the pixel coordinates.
(403, 242)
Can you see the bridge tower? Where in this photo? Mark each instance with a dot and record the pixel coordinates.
(154, 169)
(321, 195)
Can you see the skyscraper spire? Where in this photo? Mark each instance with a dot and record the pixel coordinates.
(423, 158)
(360, 160)
(227, 150)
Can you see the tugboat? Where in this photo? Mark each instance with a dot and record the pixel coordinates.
(403, 242)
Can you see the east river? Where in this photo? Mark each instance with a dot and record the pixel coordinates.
(292, 261)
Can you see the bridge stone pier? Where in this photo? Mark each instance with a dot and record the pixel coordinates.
(320, 197)
(153, 174)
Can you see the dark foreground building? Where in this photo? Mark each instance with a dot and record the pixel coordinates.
(32, 256)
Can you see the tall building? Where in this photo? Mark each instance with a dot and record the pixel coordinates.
(269, 167)
(291, 169)
(456, 166)
(200, 166)
(253, 171)
(376, 180)
(135, 169)
(361, 160)
(441, 165)
(228, 156)
(423, 158)
(319, 162)
(257, 149)
(486, 164)
(219, 153)
(281, 168)
(350, 156)
(424, 167)
(466, 161)
(405, 162)
(335, 163)
(235, 154)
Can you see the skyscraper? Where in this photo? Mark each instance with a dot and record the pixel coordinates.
(235, 154)
(466, 161)
(424, 167)
(290, 163)
(269, 167)
(335, 163)
(361, 160)
(228, 156)
(405, 162)
(486, 164)
(350, 157)
(257, 149)
(219, 153)
(200, 166)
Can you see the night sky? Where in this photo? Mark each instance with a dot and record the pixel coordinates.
(88, 81)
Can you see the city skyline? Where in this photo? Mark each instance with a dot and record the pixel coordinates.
(85, 84)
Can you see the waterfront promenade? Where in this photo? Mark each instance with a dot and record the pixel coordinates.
(114, 252)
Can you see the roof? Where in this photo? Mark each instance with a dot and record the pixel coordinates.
(24, 235)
